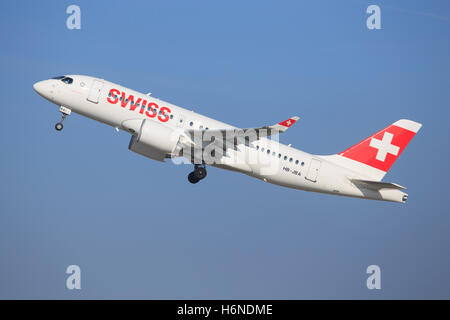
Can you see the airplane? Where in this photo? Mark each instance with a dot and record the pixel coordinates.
(160, 131)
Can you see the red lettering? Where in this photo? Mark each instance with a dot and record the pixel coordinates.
(163, 113)
(133, 106)
(141, 110)
(152, 106)
(113, 93)
(151, 110)
(125, 101)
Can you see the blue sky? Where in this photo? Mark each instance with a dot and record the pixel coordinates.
(138, 229)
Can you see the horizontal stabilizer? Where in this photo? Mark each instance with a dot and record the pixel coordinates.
(376, 185)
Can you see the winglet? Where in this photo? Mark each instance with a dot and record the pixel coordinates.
(284, 125)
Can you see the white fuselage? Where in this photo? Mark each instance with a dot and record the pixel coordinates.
(283, 165)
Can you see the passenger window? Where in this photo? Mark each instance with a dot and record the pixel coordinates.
(268, 151)
(171, 116)
(257, 147)
(285, 158)
(279, 155)
(290, 159)
(296, 161)
(262, 149)
(191, 123)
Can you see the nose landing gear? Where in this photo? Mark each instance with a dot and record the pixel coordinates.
(198, 174)
(65, 112)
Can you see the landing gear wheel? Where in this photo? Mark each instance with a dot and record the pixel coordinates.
(200, 173)
(65, 112)
(192, 178)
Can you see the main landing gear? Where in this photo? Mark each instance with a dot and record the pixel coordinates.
(198, 174)
(65, 112)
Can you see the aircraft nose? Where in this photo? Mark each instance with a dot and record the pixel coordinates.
(38, 86)
(43, 88)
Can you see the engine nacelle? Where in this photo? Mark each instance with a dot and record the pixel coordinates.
(154, 140)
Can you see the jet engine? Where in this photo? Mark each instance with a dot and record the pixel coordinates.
(153, 139)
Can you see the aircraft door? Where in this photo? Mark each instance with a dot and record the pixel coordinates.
(96, 89)
(313, 170)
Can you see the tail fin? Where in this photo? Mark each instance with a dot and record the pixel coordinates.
(375, 155)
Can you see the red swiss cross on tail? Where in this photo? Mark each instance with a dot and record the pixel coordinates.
(384, 147)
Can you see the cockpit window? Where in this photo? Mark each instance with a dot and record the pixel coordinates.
(58, 78)
(67, 80)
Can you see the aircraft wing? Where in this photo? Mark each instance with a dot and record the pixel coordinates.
(250, 134)
(376, 185)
